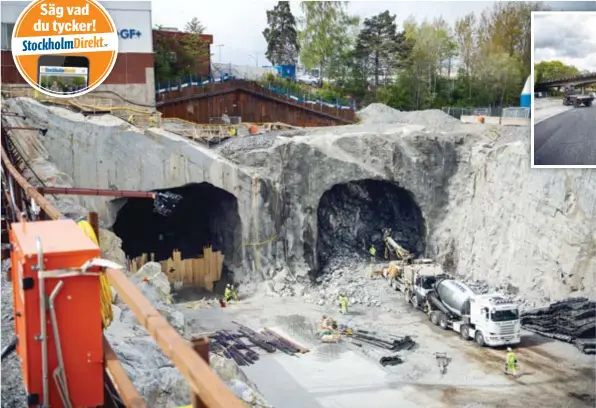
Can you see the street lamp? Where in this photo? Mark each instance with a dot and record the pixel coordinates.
(219, 46)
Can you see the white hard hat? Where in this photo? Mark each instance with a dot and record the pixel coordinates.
(228, 285)
(508, 348)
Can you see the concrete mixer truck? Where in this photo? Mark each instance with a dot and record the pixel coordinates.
(491, 319)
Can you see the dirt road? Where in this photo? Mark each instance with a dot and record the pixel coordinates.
(553, 374)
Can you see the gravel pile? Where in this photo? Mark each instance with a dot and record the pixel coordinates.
(377, 113)
(352, 277)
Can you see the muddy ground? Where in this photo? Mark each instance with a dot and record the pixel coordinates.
(553, 374)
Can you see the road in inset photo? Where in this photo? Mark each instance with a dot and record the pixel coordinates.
(564, 89)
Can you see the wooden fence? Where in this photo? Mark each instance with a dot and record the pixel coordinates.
(198, 272)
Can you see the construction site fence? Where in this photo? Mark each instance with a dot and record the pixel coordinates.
(502, 112)
(178, 84)
(191, 359)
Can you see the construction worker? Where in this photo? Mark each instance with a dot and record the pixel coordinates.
(343, 304)
(131, 119)
(230, 293)
(152, 120)
(511, 366)
(373, 253)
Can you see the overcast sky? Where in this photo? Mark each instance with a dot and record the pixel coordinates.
(238, 25)
(568, 37)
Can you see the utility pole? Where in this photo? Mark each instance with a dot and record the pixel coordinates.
(255, 56)
(219, 46)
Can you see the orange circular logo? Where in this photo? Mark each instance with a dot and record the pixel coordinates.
(65, 48)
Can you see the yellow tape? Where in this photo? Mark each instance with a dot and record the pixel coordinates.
(107, 315)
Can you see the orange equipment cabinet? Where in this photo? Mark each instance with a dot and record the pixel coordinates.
(72, 314)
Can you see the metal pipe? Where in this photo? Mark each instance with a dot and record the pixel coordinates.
(45, 205)
(62, 383)
(96, 192)
(42, 319)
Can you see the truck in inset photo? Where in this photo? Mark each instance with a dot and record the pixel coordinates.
(572, 98)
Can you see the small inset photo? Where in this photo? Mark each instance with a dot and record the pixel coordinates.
(564, 74)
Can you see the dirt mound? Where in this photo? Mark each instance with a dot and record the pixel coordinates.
(378, 113)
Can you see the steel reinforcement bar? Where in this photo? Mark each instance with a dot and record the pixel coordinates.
(207, 387)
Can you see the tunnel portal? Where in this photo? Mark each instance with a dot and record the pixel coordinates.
(205, 215)
(352, 216)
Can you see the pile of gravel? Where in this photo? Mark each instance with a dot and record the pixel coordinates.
(351, 277)
(378, 113)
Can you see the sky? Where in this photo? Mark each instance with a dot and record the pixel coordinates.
(567, 37)
(238, 25)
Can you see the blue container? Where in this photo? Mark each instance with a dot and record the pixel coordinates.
(525, 99)
(286, 71)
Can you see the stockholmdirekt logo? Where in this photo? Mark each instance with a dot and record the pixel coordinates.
(63, 44)
(65, 48)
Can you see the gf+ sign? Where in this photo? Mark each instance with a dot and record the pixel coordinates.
(129, 33)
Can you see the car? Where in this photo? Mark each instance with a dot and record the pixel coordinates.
(309, 80)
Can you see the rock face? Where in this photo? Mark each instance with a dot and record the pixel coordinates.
(483, 213)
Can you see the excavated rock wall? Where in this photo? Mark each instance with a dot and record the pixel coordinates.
(487, 215)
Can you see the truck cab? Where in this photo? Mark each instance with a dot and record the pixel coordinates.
(495, 319)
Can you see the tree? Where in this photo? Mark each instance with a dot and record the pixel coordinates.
(552, 70)
(194, 26)
(177, 54)
(281, 35)
(380, 45)
(326, 28)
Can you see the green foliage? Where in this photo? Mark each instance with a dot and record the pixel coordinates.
(326, 33)
(281, 35)
(551, 70)
(176, 55)
(380, 47)
(481, 60)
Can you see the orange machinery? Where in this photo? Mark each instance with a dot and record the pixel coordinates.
(61, 358)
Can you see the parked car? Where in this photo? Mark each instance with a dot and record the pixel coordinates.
(309, 80)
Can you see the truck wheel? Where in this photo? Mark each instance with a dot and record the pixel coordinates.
(443, 322)
(479, 339)
(434, 317)
(589, 103)
(464, 332)
(414, 300)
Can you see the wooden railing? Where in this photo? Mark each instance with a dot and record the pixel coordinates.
(211, 89)
(190, 359)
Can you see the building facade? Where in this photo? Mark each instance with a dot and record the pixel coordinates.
(133, 75)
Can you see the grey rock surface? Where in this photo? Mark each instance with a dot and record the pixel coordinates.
(486, 214)
(157, 380)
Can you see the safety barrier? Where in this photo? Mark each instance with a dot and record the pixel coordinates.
(191, 360)
(91, 103)
(202, 83)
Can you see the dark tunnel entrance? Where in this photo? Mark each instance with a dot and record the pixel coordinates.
(352, 216)
(206, 215)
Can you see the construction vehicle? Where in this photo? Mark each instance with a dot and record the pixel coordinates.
(570, 97)
(414, 280)
(392, 247)
(490, 319)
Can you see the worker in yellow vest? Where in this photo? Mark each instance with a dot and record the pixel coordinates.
(230, 293)
(511, 365)
(343, 304)
(152, 120)
(131, 119)
(373, 253)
